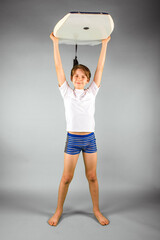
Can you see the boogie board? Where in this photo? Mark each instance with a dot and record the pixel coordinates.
(84, 28)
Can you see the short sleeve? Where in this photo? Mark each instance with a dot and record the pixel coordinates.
(65, 89)
(93, 88)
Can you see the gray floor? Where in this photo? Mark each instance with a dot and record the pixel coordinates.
(132, 215)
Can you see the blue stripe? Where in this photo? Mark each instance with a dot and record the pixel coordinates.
(75, 143)
(89, 12)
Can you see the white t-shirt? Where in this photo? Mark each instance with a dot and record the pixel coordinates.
(79, 107)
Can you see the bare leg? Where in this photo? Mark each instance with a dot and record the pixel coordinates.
(70, 162)
(90, 161)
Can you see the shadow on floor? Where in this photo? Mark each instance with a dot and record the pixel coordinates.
(77, 212)
(40, 203)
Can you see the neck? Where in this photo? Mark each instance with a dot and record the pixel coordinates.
(79, 88)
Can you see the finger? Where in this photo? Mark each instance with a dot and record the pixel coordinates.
(50, 35)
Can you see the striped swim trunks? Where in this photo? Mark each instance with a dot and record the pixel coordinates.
(75, 143)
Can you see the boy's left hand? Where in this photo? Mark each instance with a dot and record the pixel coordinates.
(106, 40)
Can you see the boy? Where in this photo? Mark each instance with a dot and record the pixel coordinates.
(79, 111)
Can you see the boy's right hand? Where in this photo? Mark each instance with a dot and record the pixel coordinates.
(53, 38)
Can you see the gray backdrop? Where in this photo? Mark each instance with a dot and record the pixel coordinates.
(33, 128)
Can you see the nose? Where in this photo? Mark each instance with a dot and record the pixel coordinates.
(79, 79)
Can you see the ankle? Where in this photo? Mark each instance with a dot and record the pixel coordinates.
(96, 210)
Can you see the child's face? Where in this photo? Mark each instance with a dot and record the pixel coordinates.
(79, 79)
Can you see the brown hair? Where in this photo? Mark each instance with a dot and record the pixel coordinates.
(84, 68)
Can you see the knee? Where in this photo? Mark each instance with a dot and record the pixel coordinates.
(67, 178)
(91, 176)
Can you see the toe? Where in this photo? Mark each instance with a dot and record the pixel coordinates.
(50, 222)
(54, 224)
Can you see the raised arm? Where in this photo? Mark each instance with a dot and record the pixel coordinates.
(101, 61)
(57, 60)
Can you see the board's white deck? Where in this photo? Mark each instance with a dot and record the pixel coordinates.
(70, 29)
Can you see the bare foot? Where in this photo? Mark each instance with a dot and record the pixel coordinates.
(101, 219)
(53, 221)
